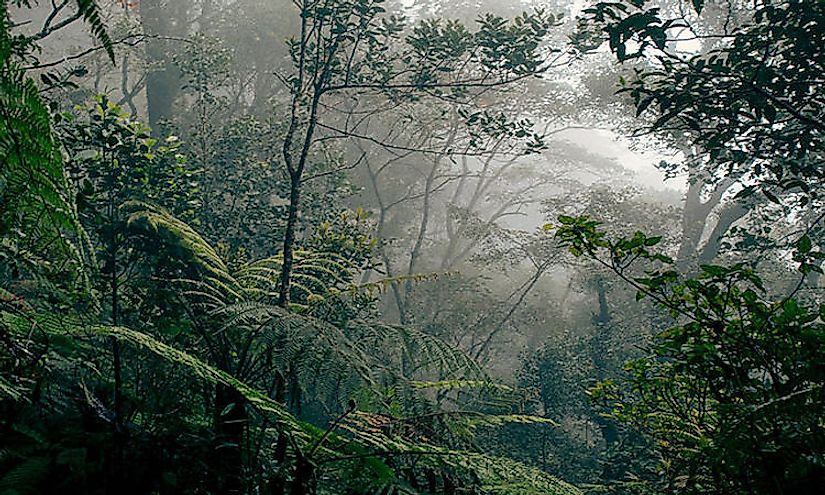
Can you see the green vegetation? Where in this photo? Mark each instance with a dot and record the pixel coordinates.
(311, 276)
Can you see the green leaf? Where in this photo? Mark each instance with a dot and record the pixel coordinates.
(652, 241)
(804, 245)
(714, 270)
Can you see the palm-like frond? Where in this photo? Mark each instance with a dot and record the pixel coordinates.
(180, 238)
(243, 297)
(347, 355)
(36, 200)
(495, 475)
(54, 325)
(90, 12)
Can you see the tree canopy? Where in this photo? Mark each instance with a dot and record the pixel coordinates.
(391, 247)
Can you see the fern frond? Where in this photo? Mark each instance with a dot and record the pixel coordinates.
(37, 205)
(461, 384)
(431, 353)
(25, 477)
(10, 390)
(155, 221)
(503, 419)
(71, 326)
(496, 475)
(90, 12)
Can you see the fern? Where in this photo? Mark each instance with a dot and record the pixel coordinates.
(25, 477)
(157, 222)
(90, 12)
(367, 429)
(461, 384)
(71, 326)
(353, 354)
(495, 475)
(9, 390)
(36, 202)
(242, 297)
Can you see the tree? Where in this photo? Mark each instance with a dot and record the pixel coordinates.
(345, 48)
(600, 326)
(752, 102)
(731, 394)
(723, 396)
(162, 19)
(87, 347)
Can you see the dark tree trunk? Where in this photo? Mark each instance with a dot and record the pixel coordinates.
(289, 239)
(600, 344)
(230, 424)
(162, 19)
(277, 483)
(304, 482)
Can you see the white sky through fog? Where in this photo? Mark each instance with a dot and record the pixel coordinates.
(643, 164)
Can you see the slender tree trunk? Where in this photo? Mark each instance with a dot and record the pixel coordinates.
(230, 424)
(415, 254)
(117, 364)
(289, 239)
(110, 270)
(304, 477)
(454, 236)
(482, 350)
(380, 231)
(599, 347)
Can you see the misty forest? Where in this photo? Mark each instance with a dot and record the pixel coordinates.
(357, 247)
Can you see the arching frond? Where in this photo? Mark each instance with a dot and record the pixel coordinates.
(157, 222)
(90, 12)
(54, 325)
(495, 475)
(37, 208)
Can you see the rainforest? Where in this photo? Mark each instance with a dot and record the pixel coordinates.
(380, 247)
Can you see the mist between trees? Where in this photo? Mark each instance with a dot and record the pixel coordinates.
(412, 247)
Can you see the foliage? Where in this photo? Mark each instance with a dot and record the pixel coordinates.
(753, 101)
(733, 393)
(112, 157)
(347, 49)
(206, 314)
(216, 387)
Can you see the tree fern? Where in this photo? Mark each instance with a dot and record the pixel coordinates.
(245, 296)
(331, 357)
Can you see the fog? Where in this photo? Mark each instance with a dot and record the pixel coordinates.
(411, 246)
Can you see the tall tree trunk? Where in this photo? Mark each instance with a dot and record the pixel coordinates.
(694, 216)
(415, 254)
(695, 220)
(729, 215)
(289, 239)
(162, 19)
(230, 424)
(599, 345)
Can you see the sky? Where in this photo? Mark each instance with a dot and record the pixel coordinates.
(643, 163)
